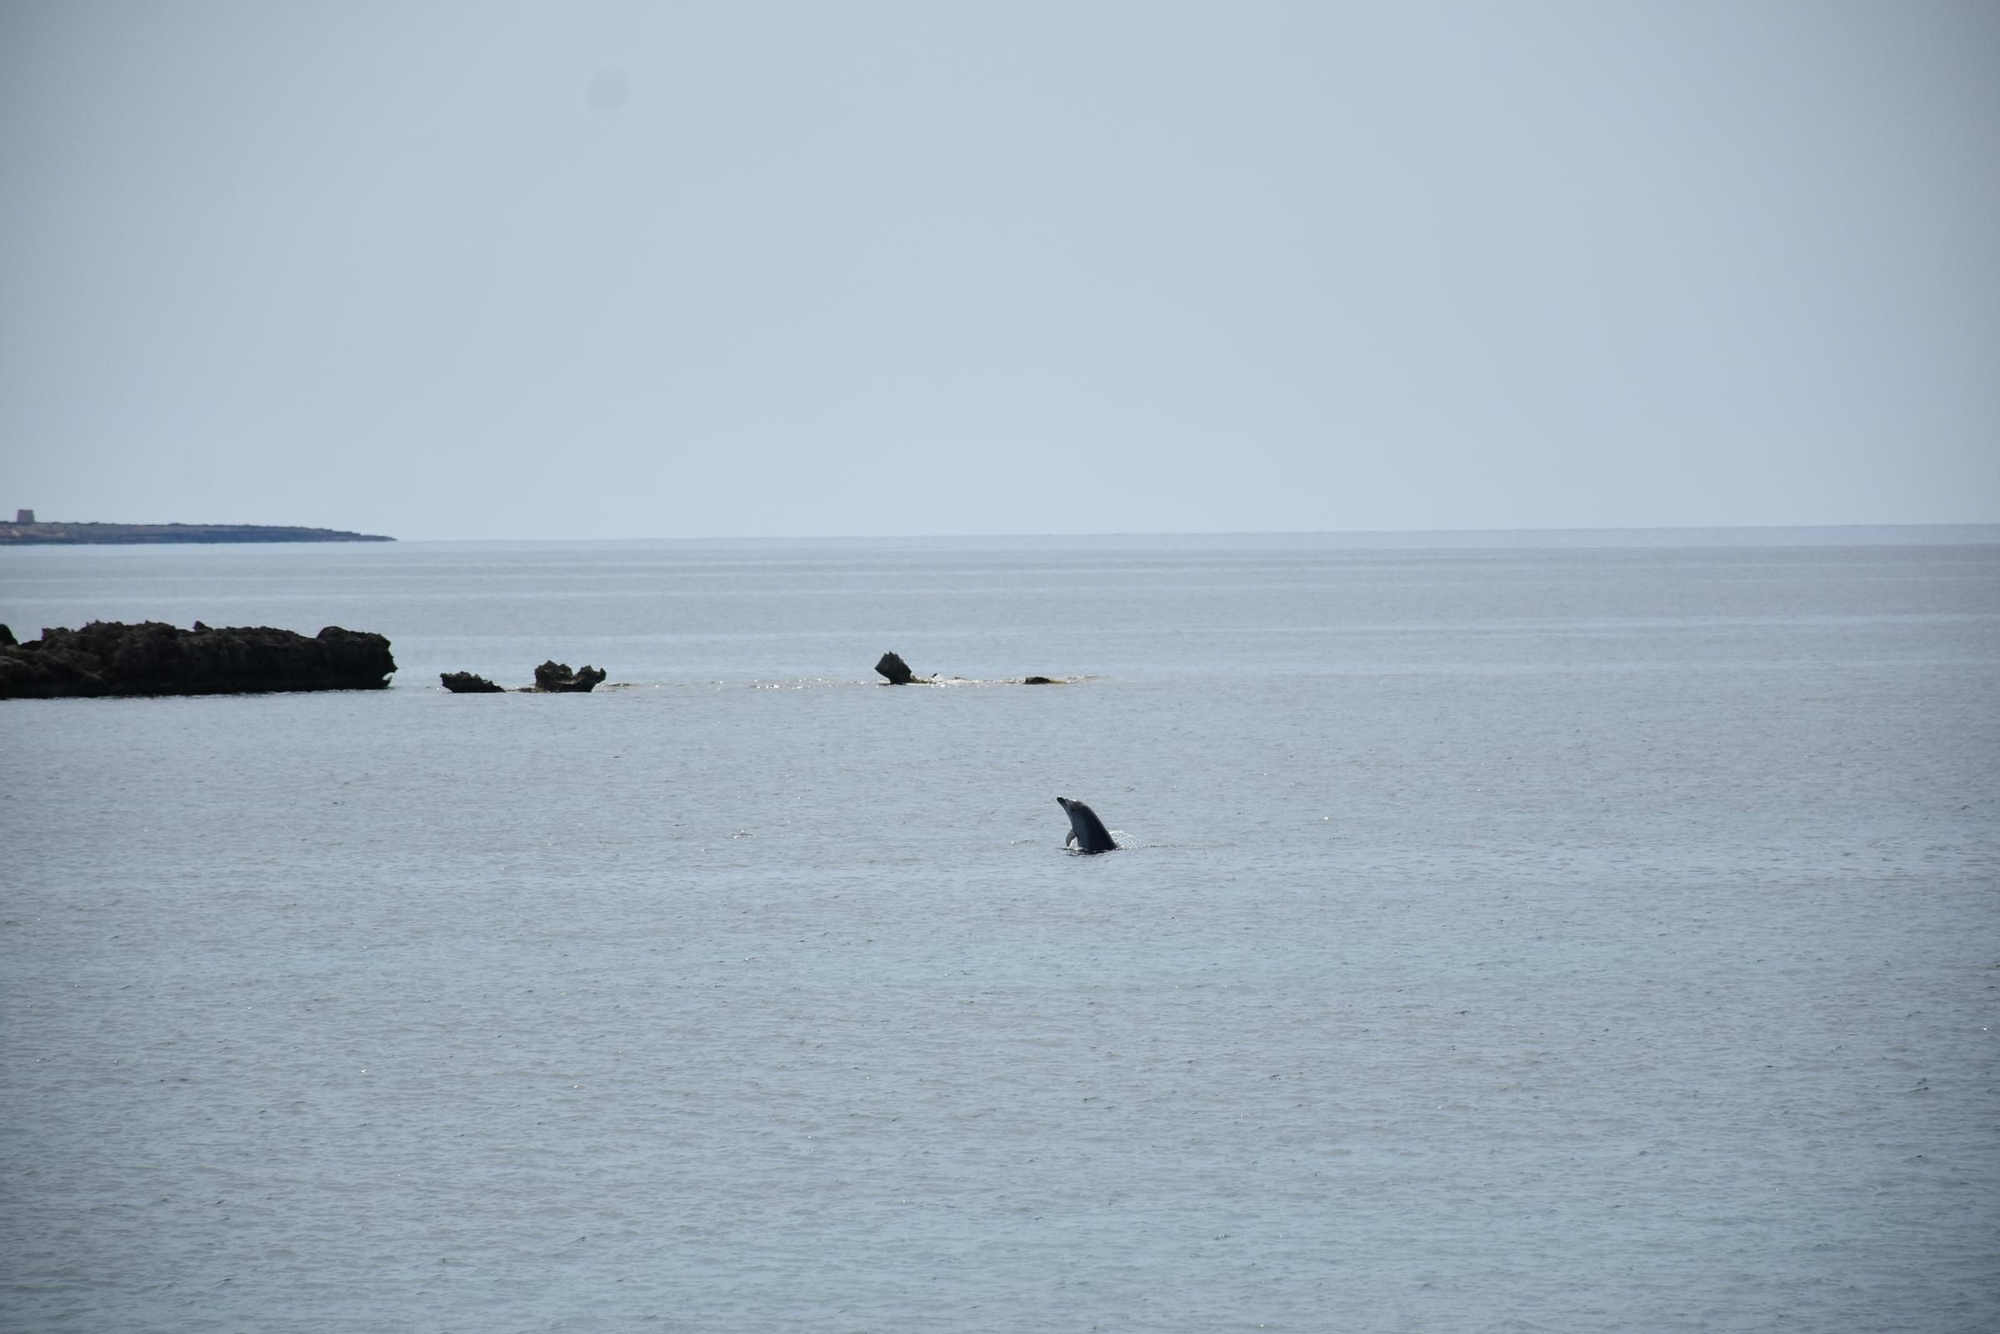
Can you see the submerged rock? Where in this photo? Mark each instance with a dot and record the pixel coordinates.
(556, 676)
(153, 658)
(465, 683)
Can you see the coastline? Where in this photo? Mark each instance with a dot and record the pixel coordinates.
(84, 534)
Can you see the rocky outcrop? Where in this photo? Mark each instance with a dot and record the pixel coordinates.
(896, 670)
(550, 678)
(465, 683)
(152, 658)
(556, 676)
(898, 673)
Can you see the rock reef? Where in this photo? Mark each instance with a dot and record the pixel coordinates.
(550, 678)
(896, 670)
(153, 658)
(556, 676)
(465, 683)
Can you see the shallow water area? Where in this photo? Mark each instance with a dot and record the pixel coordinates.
(1565, 934)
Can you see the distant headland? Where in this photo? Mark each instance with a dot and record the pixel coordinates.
(27, 531)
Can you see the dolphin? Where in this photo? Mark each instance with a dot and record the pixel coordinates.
(1085, 829)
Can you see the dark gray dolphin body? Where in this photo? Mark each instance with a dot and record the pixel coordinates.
(1085, 829)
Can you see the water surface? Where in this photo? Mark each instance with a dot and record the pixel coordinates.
(1564, 934)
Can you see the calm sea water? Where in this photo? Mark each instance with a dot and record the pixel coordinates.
(1552, 932)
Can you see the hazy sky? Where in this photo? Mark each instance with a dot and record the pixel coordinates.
(664, 269)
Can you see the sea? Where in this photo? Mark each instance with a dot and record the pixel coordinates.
(1571, 931)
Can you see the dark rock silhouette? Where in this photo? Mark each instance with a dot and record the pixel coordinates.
(465, 683)
(550, 678)
(556, 676)
(1042, 681)
(152, 658)
(898, 671)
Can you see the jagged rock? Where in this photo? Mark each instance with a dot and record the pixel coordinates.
(556, 676)
(6, 637)
(465, 683)
(898, 671)
(153, 658)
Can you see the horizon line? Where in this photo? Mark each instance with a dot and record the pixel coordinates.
(1252, 533)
